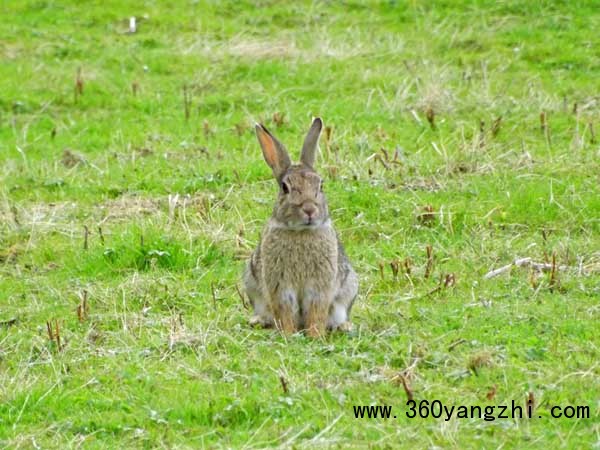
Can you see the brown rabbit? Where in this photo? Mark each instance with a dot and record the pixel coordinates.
(299, 276)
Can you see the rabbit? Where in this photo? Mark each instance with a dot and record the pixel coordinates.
(299, 277)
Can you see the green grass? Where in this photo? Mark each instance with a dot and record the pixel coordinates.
(165, 357)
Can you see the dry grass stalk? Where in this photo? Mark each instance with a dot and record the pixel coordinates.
(54, 333)
(86, 234)
(554, 282)
(430, 114)
(284, 384)
(279, 119)
(327, 138)
(530, 404)
(407, 388)
(187, 101)
(449, 280)
(543, 121)
(407, 266)
(428, 216)
(242, 298)
(101, 235)
(545, 127)
(496, 126)
(83, 308)
(429, 266)
(456, 343)
(381, 270)
(395, 266)
(78, 84)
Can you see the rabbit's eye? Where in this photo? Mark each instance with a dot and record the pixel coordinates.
(285, 188)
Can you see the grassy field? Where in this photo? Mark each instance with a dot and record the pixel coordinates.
(132, 191)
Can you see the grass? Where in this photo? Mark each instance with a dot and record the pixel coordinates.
(491, 109)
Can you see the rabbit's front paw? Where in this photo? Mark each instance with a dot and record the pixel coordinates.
(261, 322)
(345, 327)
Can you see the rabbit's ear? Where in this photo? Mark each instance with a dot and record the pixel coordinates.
(274, 152)
(309, 149)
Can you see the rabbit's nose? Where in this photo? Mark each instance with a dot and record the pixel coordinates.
(309, 210)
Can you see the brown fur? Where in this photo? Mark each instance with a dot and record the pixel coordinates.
(299, 276)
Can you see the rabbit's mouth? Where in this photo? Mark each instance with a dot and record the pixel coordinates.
(304, 225)
(312, 222)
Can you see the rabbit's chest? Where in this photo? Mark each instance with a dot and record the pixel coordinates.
(300, 259)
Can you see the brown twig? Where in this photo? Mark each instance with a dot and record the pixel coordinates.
(382, 161)
(54, 334)
(530, 404)
(395, 266)
(381, 270)
(78, 85)
(496, 126)
(86, 233)
(456, 343)
(545, 127)
(49, 330)
(407, 388)
(407, 266)
(553, 274)
(284, 384)
(430, 114)
(242, 297)
(186, 101)
(57, 334)
(429, 266)
(543, 121)
(328, 135)
(386, 156)
(449, 280)
(83, 308)
(428, 215)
